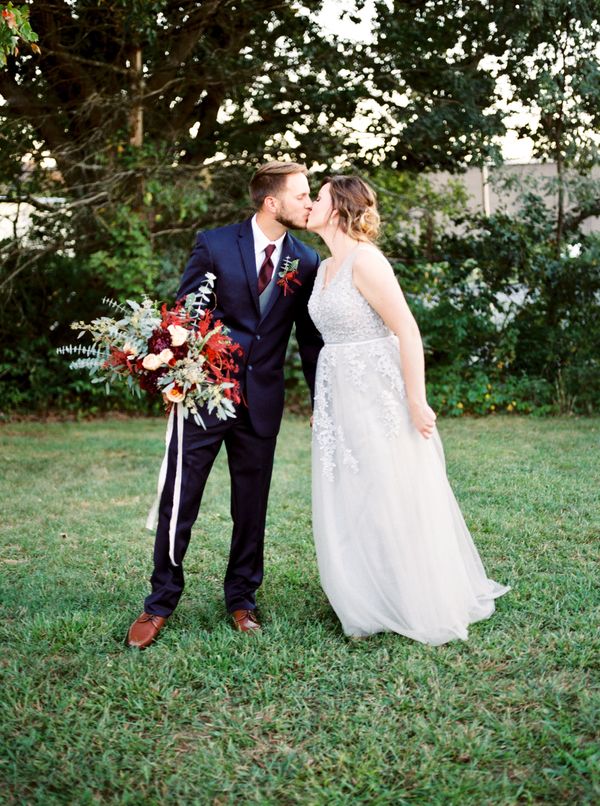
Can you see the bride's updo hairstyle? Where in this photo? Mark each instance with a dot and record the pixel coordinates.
(356, 205)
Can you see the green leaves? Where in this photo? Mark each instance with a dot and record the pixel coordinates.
(553, 68)
(15, 28)
(127, 265)
(434, 91)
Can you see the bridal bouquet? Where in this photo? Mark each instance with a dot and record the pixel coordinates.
(182, 352)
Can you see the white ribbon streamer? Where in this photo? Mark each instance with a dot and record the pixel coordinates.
(152, 518)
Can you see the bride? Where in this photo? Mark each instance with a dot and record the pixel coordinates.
(393, 550)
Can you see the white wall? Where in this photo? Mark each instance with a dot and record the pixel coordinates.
(484, 194)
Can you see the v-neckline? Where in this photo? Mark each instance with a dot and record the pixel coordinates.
(324, 286)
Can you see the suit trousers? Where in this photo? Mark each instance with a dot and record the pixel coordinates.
(250, 460)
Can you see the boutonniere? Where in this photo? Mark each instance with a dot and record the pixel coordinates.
(288, 275)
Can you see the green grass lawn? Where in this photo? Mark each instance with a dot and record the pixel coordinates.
(299, 715)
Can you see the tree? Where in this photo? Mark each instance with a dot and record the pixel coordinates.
(140, 122)
(131, 108)
(435, 90)
(175, 82)
(554, 71)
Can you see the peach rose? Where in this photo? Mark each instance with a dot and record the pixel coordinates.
(165, 356)
(151, 361)
(175, 395)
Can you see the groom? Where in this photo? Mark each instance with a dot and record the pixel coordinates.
(246, 259)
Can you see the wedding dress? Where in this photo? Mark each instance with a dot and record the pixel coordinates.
(393, 550)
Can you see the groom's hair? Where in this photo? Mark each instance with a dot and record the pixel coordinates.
(270, 179)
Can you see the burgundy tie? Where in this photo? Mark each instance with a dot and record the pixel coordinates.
(266, 270)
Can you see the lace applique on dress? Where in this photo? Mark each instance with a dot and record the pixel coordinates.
(325, 432)
(359, 353)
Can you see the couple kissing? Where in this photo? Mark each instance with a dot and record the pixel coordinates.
(393, 551)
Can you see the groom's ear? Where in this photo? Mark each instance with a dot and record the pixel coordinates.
(270, 204)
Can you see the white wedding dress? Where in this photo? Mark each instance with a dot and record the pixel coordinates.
(393, 550)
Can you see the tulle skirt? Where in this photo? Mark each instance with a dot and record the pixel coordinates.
(393, 550)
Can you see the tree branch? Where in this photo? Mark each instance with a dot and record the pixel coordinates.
(65, 54)
(580, 214)
(20, 104)
(39, 253)
(181, 42)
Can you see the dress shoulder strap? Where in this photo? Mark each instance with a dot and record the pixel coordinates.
(370, 248)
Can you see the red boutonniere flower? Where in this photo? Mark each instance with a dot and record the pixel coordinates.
(289, 275)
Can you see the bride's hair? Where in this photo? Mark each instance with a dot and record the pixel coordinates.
(356, 205)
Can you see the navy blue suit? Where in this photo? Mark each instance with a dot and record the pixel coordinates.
(228, 252)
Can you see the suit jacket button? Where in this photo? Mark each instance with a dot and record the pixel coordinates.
(257, 337)
(250, 367)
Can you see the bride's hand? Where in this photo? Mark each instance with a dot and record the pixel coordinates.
(423, 417)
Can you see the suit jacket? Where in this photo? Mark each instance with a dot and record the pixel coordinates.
(228, 252)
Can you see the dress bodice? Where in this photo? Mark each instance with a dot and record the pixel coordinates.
(340, 311)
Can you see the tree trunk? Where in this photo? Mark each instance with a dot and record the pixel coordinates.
(560, 212)
(136, 118)
(136, 121)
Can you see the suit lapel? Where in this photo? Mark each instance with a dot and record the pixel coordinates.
(286, 251)
(246, 244)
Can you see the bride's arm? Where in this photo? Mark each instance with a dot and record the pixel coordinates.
(374, 278)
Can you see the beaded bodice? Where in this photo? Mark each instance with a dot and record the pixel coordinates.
(340, 311)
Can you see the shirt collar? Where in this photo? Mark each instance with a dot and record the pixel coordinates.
(261, 240)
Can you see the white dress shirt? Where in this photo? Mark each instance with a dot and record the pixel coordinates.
(260, 242)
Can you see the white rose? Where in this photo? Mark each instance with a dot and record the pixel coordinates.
(165, 356)
(151, 362)
(129, 350)
(178, 335)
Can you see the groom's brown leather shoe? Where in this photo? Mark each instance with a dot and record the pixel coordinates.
(144, 630)
(245, 621)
